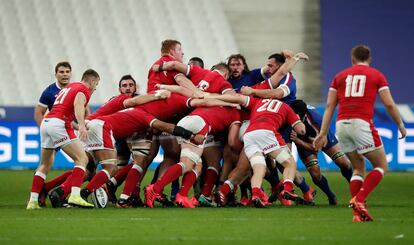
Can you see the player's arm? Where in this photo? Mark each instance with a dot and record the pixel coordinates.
(301, 143)
(176, 130)
(231, 98)
(39, 113)
(145, 98)
(208, 102)
(233, 137)
(171, 66)
(183, 81)
(79, 107)
(178, 89)
(392, 110)
(281, 91)
(321, 139)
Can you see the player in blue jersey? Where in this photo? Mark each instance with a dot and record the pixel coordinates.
(308, 154)
(63, 73)
(240, 75)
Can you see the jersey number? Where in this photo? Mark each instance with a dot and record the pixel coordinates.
(355, 85)
(270, 105)
(61, 96)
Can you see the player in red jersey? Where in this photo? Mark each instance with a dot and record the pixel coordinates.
(354, 90)
(202, 121)
(170, 50)
(56, 131)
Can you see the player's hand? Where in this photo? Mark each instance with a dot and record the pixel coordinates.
(155, 68)
(83, 132)
(320, 142)
(198, 139)
(293, 136)
(198, 94)
(237, 106)
(245, 90)
(403, 132)
(162, 94)
(301, 56)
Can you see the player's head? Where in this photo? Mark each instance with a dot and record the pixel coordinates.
(300, 108)
(127, 85)
(196, 61)
(237, 64)
(223, 68)
(361, 54)
(63, 72)
(91, 79)
(173, 48)
(274, 62)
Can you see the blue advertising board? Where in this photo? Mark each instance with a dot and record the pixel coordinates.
(20, 144)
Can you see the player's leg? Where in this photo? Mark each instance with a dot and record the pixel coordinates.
(258, 163)
(312, 165)
(171, 156)
(76, 152)
(212, 157)
(140, 147)
(47, 158)
(107, 159)
(333, 150)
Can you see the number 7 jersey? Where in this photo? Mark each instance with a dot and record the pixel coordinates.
(357, 88)
(63, 107)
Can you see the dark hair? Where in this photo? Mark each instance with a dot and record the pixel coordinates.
(239, 57)
(361, 53)
(126, 77)
(278, 57)
(221, 67)
(168, 44)
(197, 60)
(64, 64)
(90, 73)
(300, 108)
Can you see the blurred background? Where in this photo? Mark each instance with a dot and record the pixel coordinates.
(117, 37)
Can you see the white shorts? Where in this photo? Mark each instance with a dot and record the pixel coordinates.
(99, 136)
(243, 129)
(260, 141)
(196, 125)
(54, 133)
(357, 134)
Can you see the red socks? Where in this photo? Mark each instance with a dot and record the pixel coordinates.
(188, 180)
(132, 179)
(288, 185)
(57, 181)
(174, 172)
(227, 187)
(355, 184)
(122, 174)
(371, 181)
(98, 180)
(211, 177)
(77, 176)
(38, 182)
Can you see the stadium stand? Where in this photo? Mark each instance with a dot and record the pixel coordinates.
(113, 37)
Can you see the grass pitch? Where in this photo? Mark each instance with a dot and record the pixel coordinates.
(391, 205)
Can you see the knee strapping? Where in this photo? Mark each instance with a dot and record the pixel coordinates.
(141, 149)
(283, 156)
(193, 156)
(311, 163)
(337, 155)
(110, 161)
(257, 159)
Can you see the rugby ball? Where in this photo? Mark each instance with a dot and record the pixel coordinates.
(100, 198)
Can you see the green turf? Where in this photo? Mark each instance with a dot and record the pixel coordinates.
(391, 205)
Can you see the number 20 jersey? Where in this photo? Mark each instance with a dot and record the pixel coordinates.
(357, 87)
(269, 114)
